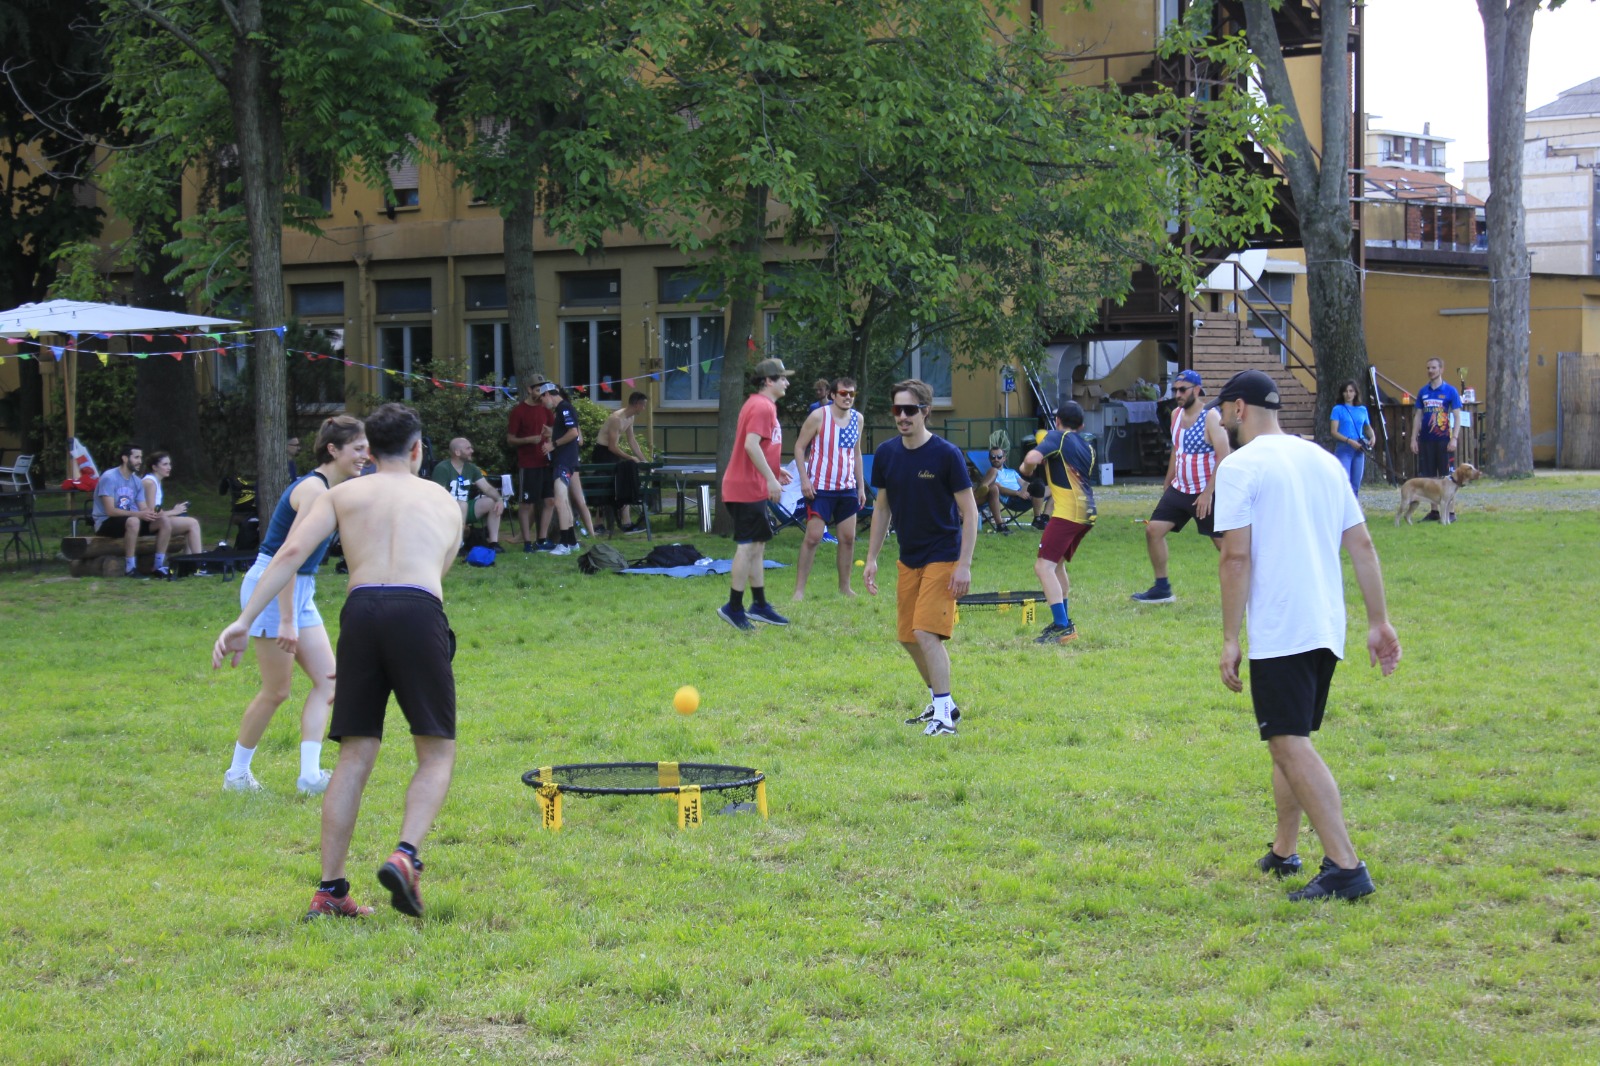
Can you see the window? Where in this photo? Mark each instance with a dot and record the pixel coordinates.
(930, 361)
(489, 355)
(406, 349)
(486, 292)
(780, 344)
(324, 298)
(691, 356)
(591, 288)
(318, 383)
(319, 188)
(408, 296)
(779, 276)
(1264, 320)
(591, 354)
(685, 286)
(406, 177)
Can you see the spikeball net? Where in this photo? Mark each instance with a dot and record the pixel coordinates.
(1026, 602)
(739, 788)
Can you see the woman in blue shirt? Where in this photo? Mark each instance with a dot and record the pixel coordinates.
(1352, 434)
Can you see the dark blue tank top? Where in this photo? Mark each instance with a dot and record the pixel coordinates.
(282, 519)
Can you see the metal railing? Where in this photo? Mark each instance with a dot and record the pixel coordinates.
(1257, 308)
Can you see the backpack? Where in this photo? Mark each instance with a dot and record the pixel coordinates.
(666, 556)
(601, 557)
(480, 556)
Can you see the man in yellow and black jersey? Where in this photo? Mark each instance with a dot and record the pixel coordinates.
(1067, 458)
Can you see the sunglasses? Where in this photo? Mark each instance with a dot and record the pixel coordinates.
(1182, 390)
(907, 410)
(846, 393)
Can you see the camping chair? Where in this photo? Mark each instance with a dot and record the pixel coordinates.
(790, 510)
(16, 522)
(979, 458)
(241, 506)
(17, 478)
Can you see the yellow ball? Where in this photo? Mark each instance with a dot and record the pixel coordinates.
(686, 700)
(861, 562)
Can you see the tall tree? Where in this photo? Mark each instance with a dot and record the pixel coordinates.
(255, 84)
(1319, 184)
(544, 112)
(1507, 34)
(52, 98)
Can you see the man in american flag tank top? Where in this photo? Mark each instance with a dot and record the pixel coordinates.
(828, 456)
(1199, 443)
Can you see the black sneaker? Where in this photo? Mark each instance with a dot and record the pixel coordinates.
(528, 548)
(137, 575)
(763, 612)
(1155, 594)
(1278, 866)
(736, 619)
(1040, 522)
(927, 715)
(161, 573)
(1332, 882)
(1431, 516)
(1056, 633)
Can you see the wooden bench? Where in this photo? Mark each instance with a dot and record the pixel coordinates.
(102, 556)
(598, 490)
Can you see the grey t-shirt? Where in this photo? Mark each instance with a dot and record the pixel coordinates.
(125, 492)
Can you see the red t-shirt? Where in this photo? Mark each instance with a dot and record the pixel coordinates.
(529, 421)
(742, 482)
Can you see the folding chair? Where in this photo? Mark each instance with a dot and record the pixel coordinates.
(16, 522)
(790, 510)
(979, 458)
(17, 478)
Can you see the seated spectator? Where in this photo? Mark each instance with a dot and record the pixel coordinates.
(120, 510)
(1006, 492)
(480, 501)
(617, 444)
(177, 518)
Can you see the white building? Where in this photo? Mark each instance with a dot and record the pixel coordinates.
(1560, 182)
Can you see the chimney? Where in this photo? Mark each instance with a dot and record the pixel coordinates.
(1427, 128)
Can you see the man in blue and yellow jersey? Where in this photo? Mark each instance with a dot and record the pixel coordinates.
(1067, 458)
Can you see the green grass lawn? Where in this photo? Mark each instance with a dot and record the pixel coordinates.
(1070, 879)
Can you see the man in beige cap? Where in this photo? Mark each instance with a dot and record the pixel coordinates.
(754, 476)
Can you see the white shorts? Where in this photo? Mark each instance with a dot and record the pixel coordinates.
(306, 614)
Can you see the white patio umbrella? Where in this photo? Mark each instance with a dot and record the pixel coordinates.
(80, 317)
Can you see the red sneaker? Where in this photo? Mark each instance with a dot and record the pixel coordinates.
(399, 876)
(324, 902)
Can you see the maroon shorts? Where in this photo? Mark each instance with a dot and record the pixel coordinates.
(1061, 539)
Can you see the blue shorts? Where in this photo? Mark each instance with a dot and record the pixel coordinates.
(306, 614)
(563, 473)
(834, 507)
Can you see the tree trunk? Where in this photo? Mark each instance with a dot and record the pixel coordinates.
(1508, 448)
(527, 355)
(736, 353)
(256, 99)
(1321, 195)
(166, 400)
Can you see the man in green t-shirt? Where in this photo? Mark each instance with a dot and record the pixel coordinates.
(479, 500)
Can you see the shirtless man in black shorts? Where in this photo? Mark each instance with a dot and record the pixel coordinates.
(400, 534)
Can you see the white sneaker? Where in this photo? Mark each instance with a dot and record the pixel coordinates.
(561, 549)
(242, 781)
(315, 786)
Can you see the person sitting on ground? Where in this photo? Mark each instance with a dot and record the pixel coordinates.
(1006, 492)
(121, 510)
(479, 500)
(177, 519)
(618, 445)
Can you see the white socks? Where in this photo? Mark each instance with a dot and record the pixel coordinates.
(310, 759)
(943, 707)
(241, 759)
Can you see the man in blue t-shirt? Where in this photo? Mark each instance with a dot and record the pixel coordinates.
(120, 510)
(923, 488)
(1433, 427)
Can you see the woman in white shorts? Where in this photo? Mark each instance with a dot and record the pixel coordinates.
(290, 630)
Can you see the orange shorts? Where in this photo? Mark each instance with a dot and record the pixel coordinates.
(924, 600)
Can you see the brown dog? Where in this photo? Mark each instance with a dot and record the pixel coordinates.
(1440, 491)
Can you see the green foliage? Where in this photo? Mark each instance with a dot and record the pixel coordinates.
(448, 412)
(78, 273)
(1069, 880)
(104, 413)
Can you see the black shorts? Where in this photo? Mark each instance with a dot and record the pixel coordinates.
(604, 455)
(750, 525)
(1178, 507)
(394, 638)
(537, 483)
(1289, 692)
(1433, 457)
(115, 526)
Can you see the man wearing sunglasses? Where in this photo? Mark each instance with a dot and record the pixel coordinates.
(923, 487)
(827, 455)
(1199, 443)
(754, 476)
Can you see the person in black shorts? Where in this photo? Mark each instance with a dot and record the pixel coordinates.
(401, 533)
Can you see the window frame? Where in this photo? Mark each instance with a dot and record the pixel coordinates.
(591, 377)
(669, 362)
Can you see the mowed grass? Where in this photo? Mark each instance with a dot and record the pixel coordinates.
(1070, 879)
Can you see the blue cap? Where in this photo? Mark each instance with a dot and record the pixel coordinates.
(1192, 377)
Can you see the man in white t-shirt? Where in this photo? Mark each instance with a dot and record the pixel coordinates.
(1284, 509)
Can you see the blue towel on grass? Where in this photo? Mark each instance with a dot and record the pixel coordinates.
(715, 566)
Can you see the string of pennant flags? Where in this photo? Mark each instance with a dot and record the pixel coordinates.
(220, 346)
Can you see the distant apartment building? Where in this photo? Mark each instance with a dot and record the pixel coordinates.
(1408, 205)
(1560, 182)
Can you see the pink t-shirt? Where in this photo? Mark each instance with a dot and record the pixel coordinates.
(742, 482)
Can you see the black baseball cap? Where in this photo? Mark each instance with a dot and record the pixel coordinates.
(1070, 413)
(1253, 387)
